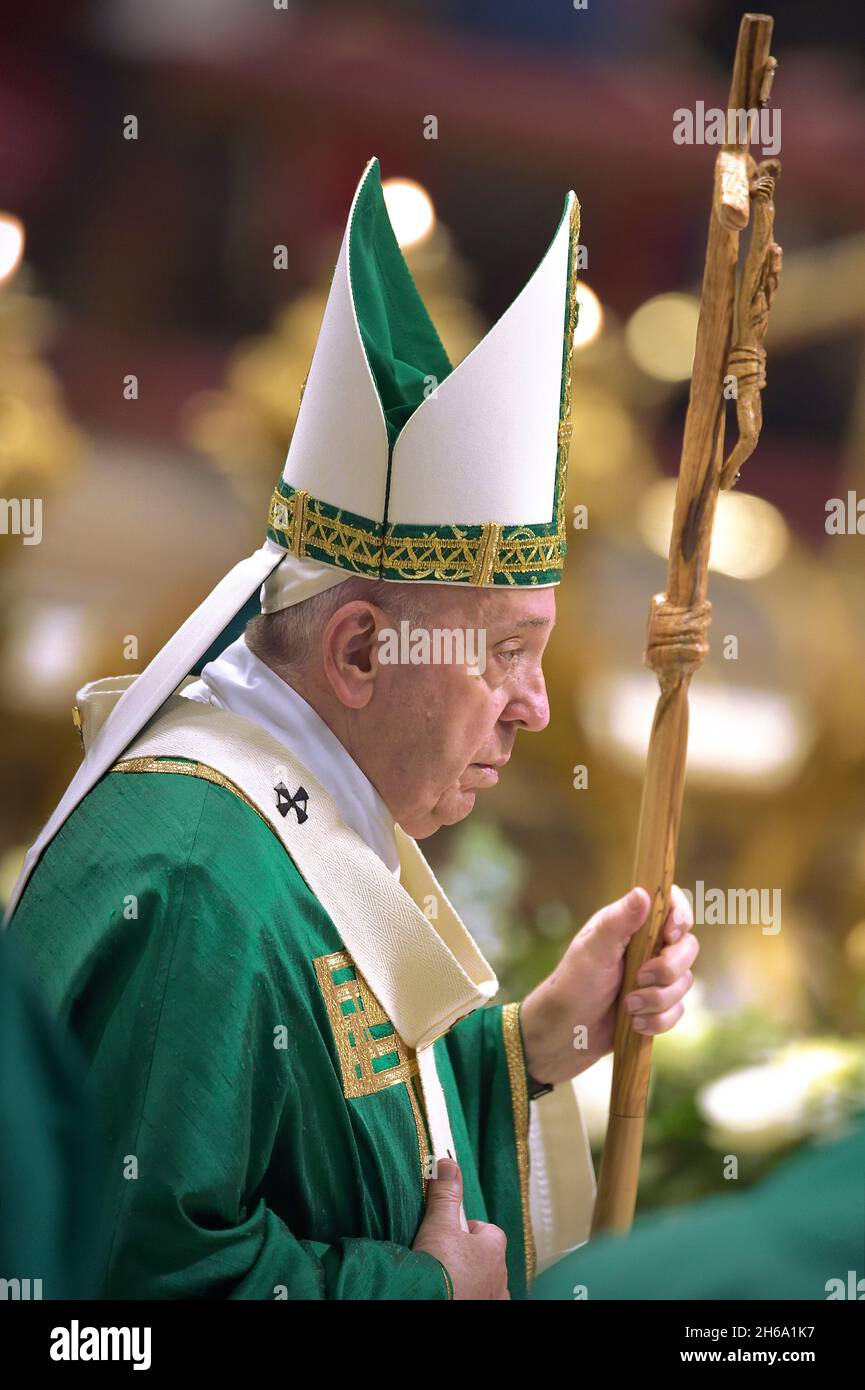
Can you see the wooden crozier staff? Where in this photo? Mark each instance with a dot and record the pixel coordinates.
(679, 619)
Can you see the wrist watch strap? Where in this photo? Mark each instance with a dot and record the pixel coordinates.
(537, 1088)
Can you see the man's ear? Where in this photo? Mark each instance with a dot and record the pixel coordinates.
(350, 652)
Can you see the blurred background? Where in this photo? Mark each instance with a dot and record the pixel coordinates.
(153, 258)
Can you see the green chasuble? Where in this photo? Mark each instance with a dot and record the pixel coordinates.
(263, 1140)
(51, 1162)
(797, 1235)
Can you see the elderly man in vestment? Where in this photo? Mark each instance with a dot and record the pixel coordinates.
(307, 1090)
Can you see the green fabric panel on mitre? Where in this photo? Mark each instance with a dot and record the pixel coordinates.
(402, 346)
(175, 937)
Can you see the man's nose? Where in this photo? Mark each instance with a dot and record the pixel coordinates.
(530, 708)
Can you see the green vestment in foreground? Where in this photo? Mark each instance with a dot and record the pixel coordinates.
(259, 1147)
(50, 1158)
(798, 1235)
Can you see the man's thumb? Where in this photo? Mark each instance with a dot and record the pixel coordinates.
(619, 920)
(445, 1191)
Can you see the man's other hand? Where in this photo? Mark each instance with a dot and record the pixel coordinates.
(474, 1260)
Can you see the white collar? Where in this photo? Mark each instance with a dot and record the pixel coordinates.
(241, 683)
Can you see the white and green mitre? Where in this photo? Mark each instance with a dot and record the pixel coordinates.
(401, 467)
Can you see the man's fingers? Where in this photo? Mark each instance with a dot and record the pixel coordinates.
(652, 1024)
(493, 1235)
(680, 918)
(673, 961)
(657, 1001)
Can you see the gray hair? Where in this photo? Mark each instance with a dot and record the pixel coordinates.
(286, 638)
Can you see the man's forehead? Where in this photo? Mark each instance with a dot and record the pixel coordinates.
(521, 608)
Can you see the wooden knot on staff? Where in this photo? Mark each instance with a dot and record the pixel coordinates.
(676, 640)
(747, 363)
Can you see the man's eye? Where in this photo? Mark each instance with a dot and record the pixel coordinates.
(510, 653)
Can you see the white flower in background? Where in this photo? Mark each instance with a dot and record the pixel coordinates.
(806, 1087)
(684, 1046)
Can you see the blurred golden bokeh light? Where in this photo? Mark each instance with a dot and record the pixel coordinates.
(661, 334)
(738, 734)
(605, 436)
(590, 316)
(410, 209)
(750, 537)
(11, 245)
(854, 946)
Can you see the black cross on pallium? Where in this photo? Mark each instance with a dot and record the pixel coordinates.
(285, 802)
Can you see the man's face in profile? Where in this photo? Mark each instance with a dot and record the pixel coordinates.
(448, 729)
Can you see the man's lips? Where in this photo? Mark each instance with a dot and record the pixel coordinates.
(487, 773)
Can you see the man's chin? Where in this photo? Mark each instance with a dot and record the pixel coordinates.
(454, 806)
